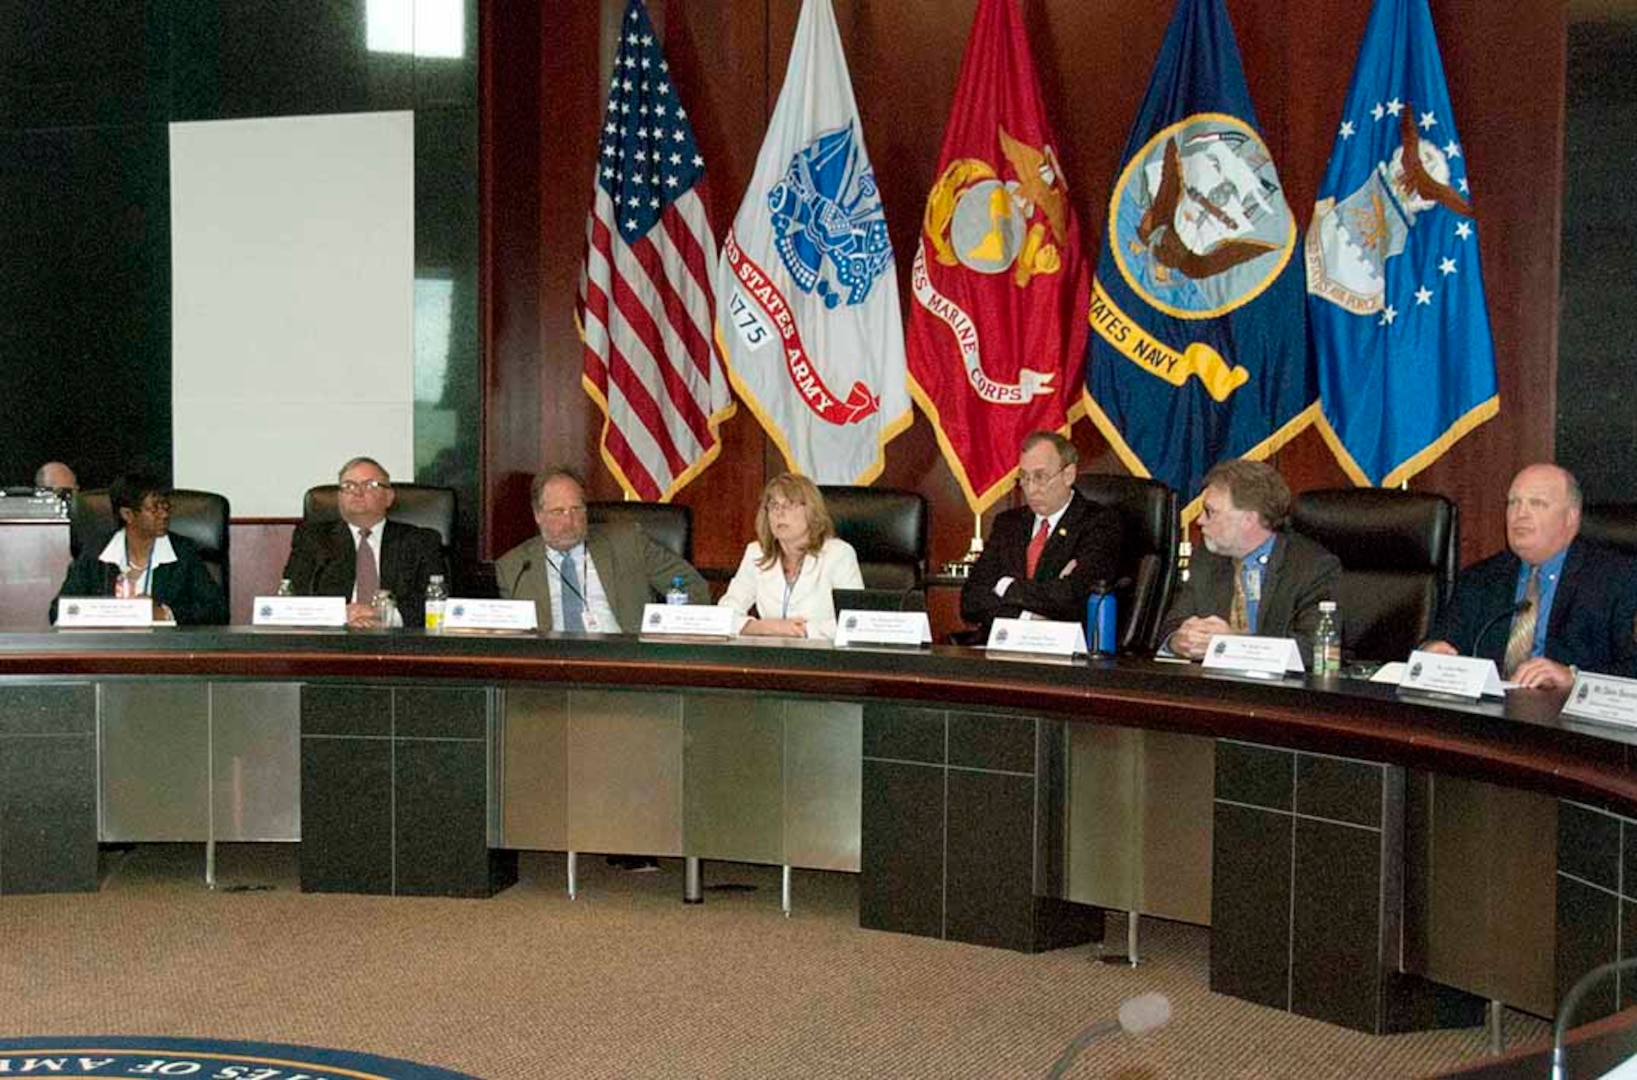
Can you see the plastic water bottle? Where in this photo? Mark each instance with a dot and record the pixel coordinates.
(285, 588)
(1327, 641)
(1102, 608)
(385, 607)
(437, 596)
(678, 592)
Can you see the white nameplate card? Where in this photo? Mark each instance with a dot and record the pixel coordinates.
(688, 620)
(1254, 654)
(883, 628)
(300, 611)
(1041, 636)
(490, 615)
(1459, 676)
(1607, 698)
(91, 612)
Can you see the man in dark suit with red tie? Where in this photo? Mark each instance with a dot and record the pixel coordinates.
(364, 552)
(1044, 558)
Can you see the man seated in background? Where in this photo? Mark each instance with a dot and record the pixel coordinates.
(364, 552)
(584, 579)
(1045, 557)
(1564, 603)
(56, 476)
(1255, 577)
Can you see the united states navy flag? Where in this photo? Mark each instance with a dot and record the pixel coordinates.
(1400, 328)
(1197, 350)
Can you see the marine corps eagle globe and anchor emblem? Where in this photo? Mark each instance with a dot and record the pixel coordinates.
(991, 224)
(1199, 227)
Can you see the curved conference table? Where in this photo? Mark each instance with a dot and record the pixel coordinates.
(1363, 857)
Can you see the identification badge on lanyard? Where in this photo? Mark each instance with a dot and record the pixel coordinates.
(1253, 584)
(593, 625)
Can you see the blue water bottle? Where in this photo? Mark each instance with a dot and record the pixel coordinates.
(1102, 608)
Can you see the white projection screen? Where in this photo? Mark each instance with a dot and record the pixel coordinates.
(292, 318)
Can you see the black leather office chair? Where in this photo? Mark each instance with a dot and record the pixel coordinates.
(201, 516)
(1148, 551)
(1611, 524)
(1399, 552)
(888, 530)
(413, 504)
(671, 524)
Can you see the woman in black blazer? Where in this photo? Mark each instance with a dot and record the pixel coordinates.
(143, 559)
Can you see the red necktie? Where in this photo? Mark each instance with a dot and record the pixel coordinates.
(1037, 545)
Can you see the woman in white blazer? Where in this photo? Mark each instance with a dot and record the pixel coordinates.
(791, 567)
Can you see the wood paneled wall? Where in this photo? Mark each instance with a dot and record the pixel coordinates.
(543, 66)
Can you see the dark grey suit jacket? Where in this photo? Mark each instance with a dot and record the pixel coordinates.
(633, 567)
(1299, 574)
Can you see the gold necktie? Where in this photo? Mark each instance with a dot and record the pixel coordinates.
(1520, 643)
(1238, 614)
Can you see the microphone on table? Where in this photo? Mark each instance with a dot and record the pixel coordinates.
(528, 564)
(1510, 613)
(1138, 1016)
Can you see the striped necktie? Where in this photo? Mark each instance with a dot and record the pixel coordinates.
(1239, 613)
(1520, 643)
(366, 575)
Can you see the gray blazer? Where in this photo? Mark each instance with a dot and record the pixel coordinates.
(633, 567)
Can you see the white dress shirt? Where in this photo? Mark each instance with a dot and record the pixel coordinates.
(598, 611)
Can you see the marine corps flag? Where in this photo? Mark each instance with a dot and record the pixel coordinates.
(808, 314)
(1198, 351)
(996, 341)
(1400, 328)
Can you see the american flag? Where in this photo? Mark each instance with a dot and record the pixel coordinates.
(646, 305)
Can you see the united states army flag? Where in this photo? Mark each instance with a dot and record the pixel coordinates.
(808, 315)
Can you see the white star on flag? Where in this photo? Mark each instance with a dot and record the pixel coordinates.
(1423, 295)
(1388, 314)
(1347, 129)
(1463, 229)
(1428, 121)
(1446, 266)
(1395, 106)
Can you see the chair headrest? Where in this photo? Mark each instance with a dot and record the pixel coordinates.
(1147, 509)
(413, 504)
(884, 525)
(670, 524)
(1376, 529)
(1613, 524)
(201, 516)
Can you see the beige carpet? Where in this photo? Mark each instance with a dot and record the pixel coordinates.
(628, 982)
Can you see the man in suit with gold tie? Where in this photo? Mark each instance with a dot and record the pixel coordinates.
(1551, 603)
(1255, 577)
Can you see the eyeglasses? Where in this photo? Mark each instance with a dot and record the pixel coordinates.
(364, 487)
(780, 506)
(563, 513)
(1040, 478)
(156, 506)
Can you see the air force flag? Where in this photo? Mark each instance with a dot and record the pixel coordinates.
(808, 314)
(1198, 351)
(1400, 328)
